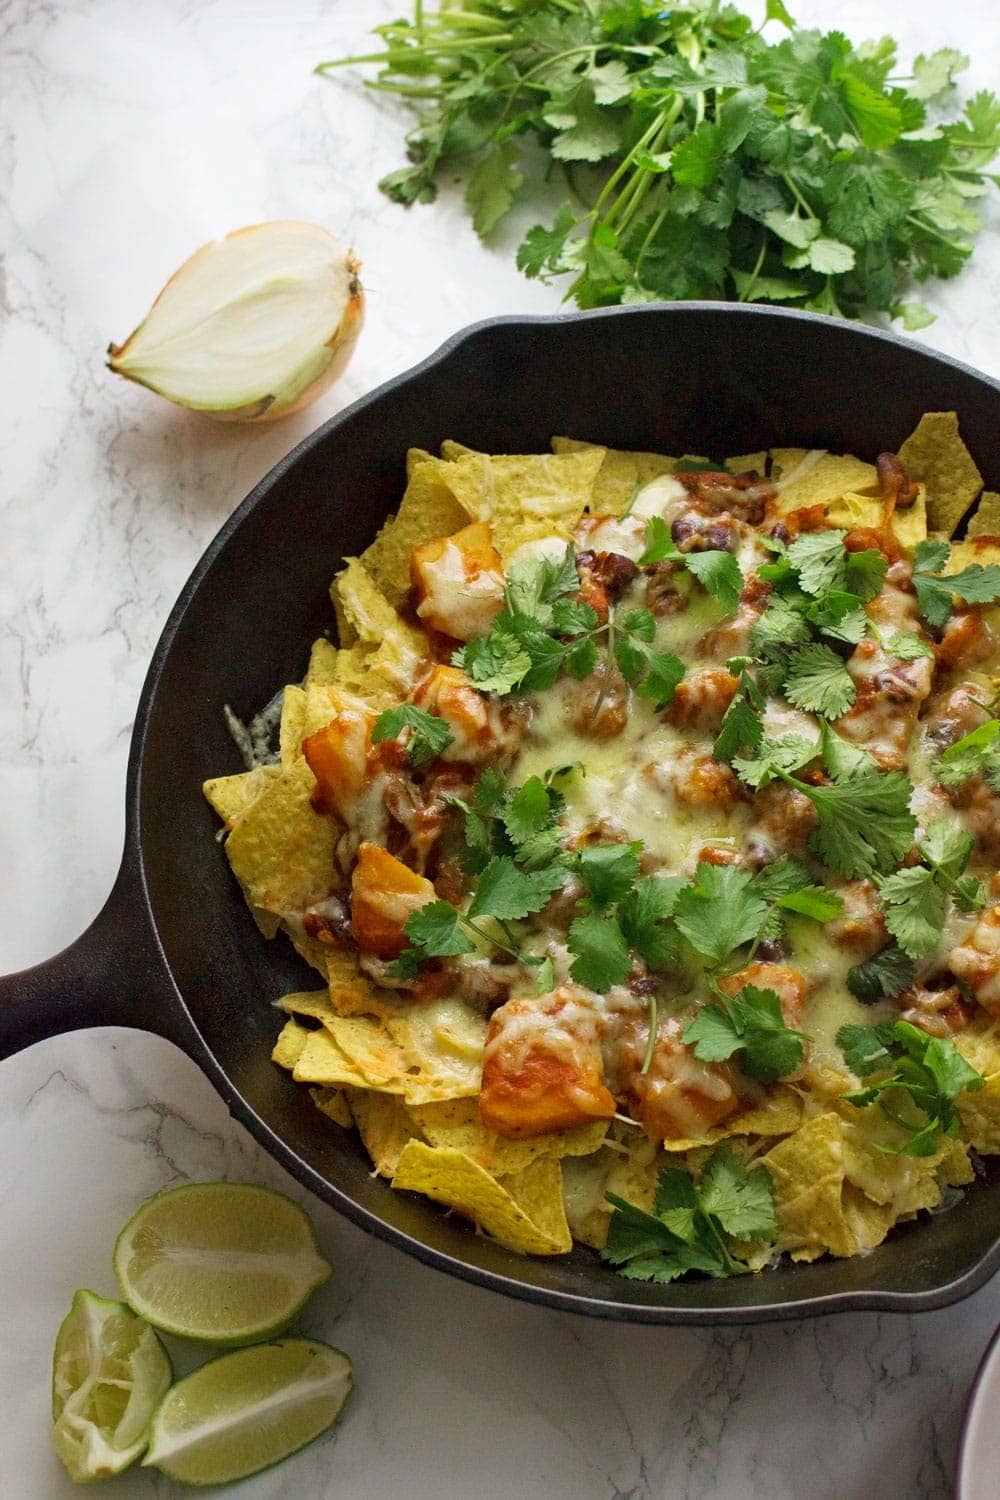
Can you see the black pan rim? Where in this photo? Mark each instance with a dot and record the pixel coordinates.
(586, 1304)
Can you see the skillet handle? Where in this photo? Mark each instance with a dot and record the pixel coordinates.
(111, 976)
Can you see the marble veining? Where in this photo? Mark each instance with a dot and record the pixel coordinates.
(132, 132)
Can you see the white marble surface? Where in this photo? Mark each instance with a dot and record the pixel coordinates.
(133, 131)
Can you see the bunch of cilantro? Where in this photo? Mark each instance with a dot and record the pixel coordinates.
(701, 159)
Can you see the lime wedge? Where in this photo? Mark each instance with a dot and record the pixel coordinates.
(248, 1410)
(225, 1262)
(109, 1370)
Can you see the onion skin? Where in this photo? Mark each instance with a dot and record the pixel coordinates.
(268, 408)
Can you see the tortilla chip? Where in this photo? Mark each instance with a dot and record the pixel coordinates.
(424, 1052)
(450, 450)
(905, 1184)
(416, 456)
(980, 1112)
(291, 1041)
(333, 1104)
(584, 1185)
(322, 663)
(779, 1113)
(293, 719)
(524, 496)
(908, 524)
(867, 1223)
(281, 850)
(745, 463)
(784, 460)
(311, 949)
(524, 1211)
(428, 509)
(232, 796)
(352, 993)
(935, 454)
(981, 549)
(363, 611)
(385, 1125)
(312, 1003)
(986, 521)
(456, 1123)
(322, 1061)
(619, 473)
(825, 481)
(807, 1173)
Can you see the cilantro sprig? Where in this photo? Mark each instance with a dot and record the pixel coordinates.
(915, 898)
(427, 735)
(865, 824)
(718, 572)
(914, 1078)
(694, 1224)
(724, 161)
(751, 1025)
(542, 631)
(936, 590)
(885, 975)
(976, 754)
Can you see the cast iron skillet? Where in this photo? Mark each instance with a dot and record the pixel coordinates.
(175, 950)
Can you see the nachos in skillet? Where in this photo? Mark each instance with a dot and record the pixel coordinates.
(644, 830)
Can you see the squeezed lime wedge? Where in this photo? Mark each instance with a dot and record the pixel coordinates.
(223, 1262)
(248, 1410)
(109, 1371)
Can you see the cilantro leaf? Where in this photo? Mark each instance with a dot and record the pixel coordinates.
(814, 901)
(508, 893)
(741, 728)
(906, 645)
(643, 914)
(607, 872)
(720, 911)
(972, 755)
(841, 758)
(601, 956)
(719, 574)
(818, 558)
(882, 977)
(664, 672)
(936, 590)
(865, 824)
(914, 909)
(817, 680)
(497, 662)
(741, 1201)
(780, 627)
(435, 929)
(905, 1068)
(789, 753)
(429, 735)
(768, 1048)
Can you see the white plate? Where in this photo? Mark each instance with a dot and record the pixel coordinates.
(979, 1446)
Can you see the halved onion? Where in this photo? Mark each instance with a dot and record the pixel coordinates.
(252, 327)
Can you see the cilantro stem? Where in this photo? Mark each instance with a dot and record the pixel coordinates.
(654, 1023)
(489, 938)
(609, 662)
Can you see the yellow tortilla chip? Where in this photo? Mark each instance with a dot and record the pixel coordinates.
(312, 1003)
(416, 456)
(281, 850)
(363, 611)
(867, 1223)
(935, 454)
(288, 1048)
(428, 509)
(908, 524)
(232, 796)
(385, 1125)
(986, 521)
(982, 550)
(980, 1113)
(293, 719)
(450, 450)
(905, 1184)
(524, 496)
(424, 1052)
(524, 1211)
(778, 1113)
(333, 1104)
(352, 993)
(745, 463)
(584, 1185)
(823, 482)
(322, 1061)
(456, 1123)
(311, 949)
(619, 473)
(807, 1173)
(322, 663)
(784, 460)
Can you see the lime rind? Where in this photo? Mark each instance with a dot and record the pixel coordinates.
(248, 1410)
(109, 1373)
